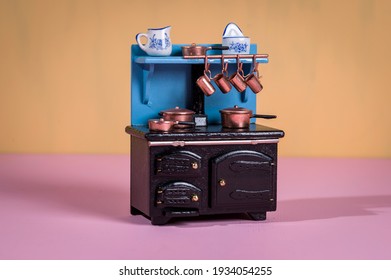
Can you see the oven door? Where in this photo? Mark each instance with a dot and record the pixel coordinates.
(242, 178)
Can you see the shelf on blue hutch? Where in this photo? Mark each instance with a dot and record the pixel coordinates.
(177, 58)
(181, 60)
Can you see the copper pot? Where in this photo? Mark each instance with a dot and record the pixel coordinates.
(166, 125)
(194, 50)
(178, 114)
(238, 117)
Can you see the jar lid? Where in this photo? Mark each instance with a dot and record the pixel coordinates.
(178, 111)
(236, 110)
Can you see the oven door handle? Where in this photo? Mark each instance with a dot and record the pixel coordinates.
(181, 213)
(209, 142)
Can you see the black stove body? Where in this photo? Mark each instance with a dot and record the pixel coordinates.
(204, 170)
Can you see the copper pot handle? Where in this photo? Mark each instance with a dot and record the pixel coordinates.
(207, 72)
(239, 65)
(264, 116)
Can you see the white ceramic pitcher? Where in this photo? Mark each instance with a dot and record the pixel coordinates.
(158, 41)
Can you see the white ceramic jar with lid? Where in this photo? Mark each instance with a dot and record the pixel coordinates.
(234, 39)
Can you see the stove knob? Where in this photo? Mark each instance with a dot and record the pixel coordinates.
(222, 183)
(194, 165)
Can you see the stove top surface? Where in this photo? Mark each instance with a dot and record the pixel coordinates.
(216, 132)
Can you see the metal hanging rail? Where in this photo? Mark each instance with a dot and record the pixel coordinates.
(226, 56)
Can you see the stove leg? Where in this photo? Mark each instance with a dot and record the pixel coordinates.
(159, 220)
(135, 211)
(257, 216)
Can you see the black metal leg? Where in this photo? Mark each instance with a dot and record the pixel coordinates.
(159, 220)
(135, 211)
(257, 216)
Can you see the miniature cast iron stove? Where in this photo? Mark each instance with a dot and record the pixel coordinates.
(201, 170)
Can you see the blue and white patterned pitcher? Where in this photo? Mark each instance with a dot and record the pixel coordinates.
(158, 41)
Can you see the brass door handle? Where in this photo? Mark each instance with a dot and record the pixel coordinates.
(222, 183)
(194, 165)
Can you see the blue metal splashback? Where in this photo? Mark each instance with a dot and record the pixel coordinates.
(160, 83)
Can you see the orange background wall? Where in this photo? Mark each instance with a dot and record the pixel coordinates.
(65, 70)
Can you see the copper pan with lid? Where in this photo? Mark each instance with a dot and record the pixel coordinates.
(238, 117)
(177, 114)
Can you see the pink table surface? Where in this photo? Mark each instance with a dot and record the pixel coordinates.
(77, 207)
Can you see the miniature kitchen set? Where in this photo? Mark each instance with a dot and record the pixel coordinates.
(195, 147)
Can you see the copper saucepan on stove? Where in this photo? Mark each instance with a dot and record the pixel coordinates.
(194, 50)
(178, 114)
(166, 125)
(238, 117)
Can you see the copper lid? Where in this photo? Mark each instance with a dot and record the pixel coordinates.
(236, 110)
(178, 111)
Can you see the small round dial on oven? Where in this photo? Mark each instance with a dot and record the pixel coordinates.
(194, 165)
(222, 182)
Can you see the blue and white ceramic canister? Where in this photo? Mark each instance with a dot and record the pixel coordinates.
(158, 41)
(234, 39)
